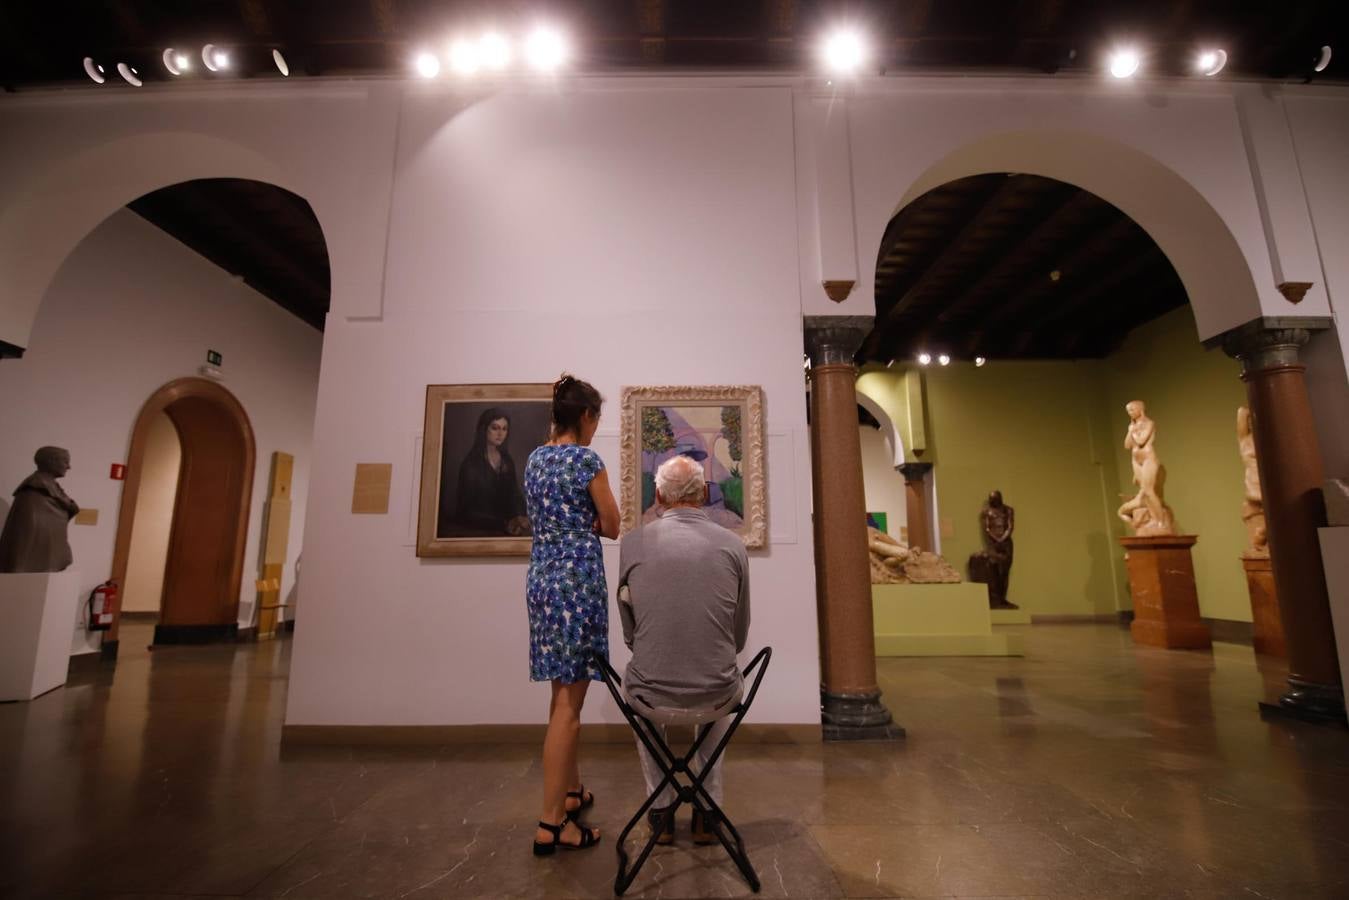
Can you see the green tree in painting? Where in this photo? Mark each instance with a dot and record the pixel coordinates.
(657, 438)
(733, 488)
(730, 429)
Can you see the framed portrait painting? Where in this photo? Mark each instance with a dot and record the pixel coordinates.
(720, 427)
(476, 441)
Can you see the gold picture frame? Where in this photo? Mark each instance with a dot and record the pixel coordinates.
(721, 426)
(452, 460)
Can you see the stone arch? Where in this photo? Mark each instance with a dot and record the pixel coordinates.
(882, 415)
(59, 206)
(1202, 249)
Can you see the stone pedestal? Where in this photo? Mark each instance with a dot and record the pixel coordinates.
(938, 620)
(1161, 580)
(1266, 624)
(40, 611)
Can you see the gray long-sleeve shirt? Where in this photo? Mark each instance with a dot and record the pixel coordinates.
(685, 610)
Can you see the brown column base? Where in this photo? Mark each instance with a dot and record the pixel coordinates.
(857, 717)
(1267, 627)
(1306, 702)
(1161, 580)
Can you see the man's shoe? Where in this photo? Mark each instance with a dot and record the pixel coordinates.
(703, 832)
(662, 820)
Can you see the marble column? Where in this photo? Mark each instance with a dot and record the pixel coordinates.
(1291, 475)
(850, 698)
(915, 505)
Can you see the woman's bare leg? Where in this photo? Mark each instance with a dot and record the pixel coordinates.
(560, 770)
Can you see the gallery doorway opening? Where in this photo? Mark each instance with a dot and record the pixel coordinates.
(185, 508)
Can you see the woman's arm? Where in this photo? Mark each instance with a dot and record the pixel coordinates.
(605, 504)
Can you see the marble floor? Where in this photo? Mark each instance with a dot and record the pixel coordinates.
(1090, 768)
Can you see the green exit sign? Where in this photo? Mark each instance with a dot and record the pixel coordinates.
(214, 358)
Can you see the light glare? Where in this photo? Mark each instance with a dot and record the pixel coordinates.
(944, 360)
(844, 51)
(924, 359)
(427, 64)
(1210, 62)
(979, 360)
(464, 57)
(546, 49)
(495, 51)
(208, 57)
(1124, 63)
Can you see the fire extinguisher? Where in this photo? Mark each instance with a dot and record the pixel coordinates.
(102, 601)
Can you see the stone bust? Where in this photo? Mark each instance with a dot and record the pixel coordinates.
(34, 538)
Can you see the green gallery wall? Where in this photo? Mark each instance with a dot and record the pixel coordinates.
(1050, 436)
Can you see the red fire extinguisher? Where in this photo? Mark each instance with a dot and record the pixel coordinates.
(102, 602)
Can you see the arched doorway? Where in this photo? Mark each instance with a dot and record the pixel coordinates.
(205, 559)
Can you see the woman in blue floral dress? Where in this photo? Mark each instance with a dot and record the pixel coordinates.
(570, 507)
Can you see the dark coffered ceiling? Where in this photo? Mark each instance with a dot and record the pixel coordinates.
(267, 236)
(1015, 267)
(44, 41)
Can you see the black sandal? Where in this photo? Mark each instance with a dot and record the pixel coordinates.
(588, 838)
(580, 794)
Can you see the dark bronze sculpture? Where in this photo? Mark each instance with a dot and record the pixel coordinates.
(994, 564)
(34, 538)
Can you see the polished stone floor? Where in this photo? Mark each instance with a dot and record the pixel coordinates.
(1091, 768)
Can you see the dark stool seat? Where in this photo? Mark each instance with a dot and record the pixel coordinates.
(687, 784)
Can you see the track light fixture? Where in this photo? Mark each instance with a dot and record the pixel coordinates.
(93, 70)
(924, 359)
(1125, 62)
(129, 75)
(1322, 59)
(1210, 62)
(281, 65)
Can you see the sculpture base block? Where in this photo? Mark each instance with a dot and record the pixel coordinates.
(40, 613)
(1267, 627)
(1161, 580)
(937, 620)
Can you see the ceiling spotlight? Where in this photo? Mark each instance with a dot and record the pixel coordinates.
(214, 58)
(1210, 62)
(890, 364)
(281, 65)
(844, 51)
(924, 359)
(980, 360)
(1124, 63)
(494, 51)
(464, 57)
(546, 49)
(427, 64)
(944, 360)
(129, 75)
(93, 70)
(1322, 59)
(1055, 275)
(177, 63)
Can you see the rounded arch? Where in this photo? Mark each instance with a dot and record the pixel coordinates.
(215, 488)
(882, 415)
(1203, 250)
(59, 206)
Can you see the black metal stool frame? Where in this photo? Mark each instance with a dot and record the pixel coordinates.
(672, 766)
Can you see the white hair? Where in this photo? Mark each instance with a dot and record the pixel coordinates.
(680, 480)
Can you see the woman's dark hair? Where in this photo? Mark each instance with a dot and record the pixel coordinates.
(480, 435)
(571, 398)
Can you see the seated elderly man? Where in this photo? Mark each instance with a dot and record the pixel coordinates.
(684, 601)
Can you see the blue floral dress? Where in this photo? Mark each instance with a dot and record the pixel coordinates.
(565, 591)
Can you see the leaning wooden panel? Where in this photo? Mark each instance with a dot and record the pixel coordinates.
(476, 441)
(720, 426)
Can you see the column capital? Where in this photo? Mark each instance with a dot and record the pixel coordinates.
(1270, 341)
(835, 339)
(914, 471)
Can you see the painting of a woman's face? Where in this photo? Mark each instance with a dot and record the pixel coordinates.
(497, 432)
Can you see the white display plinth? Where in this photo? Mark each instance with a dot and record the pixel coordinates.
(39, 610)
(1335, 557)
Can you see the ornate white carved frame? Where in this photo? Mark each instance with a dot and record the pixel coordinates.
(754, 532)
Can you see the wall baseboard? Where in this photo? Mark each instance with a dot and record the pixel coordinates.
(196, 634)
(432, 735)
(1074, 618)
(1231, 631)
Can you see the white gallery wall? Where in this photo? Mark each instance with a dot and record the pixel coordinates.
(884, 486)
(634, 231)
(130, 310)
